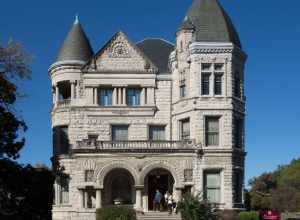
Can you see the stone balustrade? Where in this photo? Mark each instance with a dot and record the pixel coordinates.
(94, 145)
(64, 103)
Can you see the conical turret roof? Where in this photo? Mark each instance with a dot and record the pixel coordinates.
(76, 46)
(211, 22)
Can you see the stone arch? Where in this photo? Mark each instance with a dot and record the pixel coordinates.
(116, 165)
(162, 165)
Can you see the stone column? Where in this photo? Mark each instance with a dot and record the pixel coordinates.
(81, 198)
(124, 96)
(145, 203)
(151, 96)
(114, 96)
(56, 93)
(143, 97)
(138, 197)
(95, 96)
(98, 199)
(86, 199)
(119, 96)
(178, 194)
(72, 90)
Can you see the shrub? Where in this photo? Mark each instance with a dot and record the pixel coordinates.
(120, 213)
(249, 216)
(192, 208)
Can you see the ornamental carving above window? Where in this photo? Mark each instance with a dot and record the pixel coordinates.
(119, 50)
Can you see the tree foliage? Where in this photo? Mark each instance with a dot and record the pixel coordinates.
(278, 190)
(25, 191)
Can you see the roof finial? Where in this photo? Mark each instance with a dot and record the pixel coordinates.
(76, 19)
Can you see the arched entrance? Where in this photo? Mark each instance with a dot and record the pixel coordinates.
(158, 179)
(119, 188)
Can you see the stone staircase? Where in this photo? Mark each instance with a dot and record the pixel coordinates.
(159, 216)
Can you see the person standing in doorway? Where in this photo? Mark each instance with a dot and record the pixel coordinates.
(170, 204)
(157, 200)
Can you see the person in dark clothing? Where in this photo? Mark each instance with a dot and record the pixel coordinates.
(157, 200)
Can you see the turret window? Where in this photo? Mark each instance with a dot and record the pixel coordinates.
(237, 87)
(205, 83)
(218, 84)
(212, 131)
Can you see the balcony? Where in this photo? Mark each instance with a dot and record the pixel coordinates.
(93, 146)
(64, 103)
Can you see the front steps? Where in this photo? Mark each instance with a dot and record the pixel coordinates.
(158, 216)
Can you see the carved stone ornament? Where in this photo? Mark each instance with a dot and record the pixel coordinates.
(119, 50)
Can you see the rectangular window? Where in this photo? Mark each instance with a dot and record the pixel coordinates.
(64, 190)
(205, 83)
(134, 97)
(237, 87)
(182, 91)
(212, 131)
(157, 133)
(61, 140)
(239, 130)
(218, 84)
(238, 186)
(212, 187)
(185, 129)
(188, 175)
(89, 175)
(105, 97)
(206, 66)
(120, 132)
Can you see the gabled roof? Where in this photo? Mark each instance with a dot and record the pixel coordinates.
(211, 22)
(76, 46)
(158, 51)
(150, 64)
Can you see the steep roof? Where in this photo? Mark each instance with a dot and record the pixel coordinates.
(158, 51)
(211, 22)
(76, 46)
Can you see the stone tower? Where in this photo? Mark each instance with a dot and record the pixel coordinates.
(208, 93)
(134, 118)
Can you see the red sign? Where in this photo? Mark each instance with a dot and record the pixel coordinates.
(270, 215)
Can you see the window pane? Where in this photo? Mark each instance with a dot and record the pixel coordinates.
(213, 180)
(182, 91)
(120, 133)
(105, 97)
(237, 87)
(64, 191)
(133, 97)
(218, 84)
(206, 66)
(213, 195)
(212, 131)
(185, 129)
(157, 133)
(205, 84)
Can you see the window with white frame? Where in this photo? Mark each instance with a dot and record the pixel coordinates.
(212, 130)
(119, 132)
(134, 97)
(184, 129)
(209, 70)
(157, 132)
(105, 96)
(212, 186)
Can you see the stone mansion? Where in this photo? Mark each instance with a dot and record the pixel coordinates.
(136, 117)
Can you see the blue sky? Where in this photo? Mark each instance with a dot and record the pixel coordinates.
(269, 31)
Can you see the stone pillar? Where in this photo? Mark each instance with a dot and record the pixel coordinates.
(138, 197)
(151, 96)
(86, 199)
(72, 90)
(114, 96)
(56, 93)
(145, 203)
(98, 199)
(143, 97)
(124, 97)
(81, 198)
(95, 96)
(178, 194)
(119, 96)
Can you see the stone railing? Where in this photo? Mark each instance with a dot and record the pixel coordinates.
(93, 145)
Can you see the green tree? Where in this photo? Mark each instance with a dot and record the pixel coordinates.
(25, 191)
